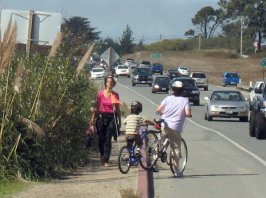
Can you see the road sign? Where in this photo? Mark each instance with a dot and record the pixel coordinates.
(263, 62)
(110, 56)
(156, 55)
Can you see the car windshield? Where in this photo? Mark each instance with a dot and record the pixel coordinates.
(183, 68)
(198, 75)
(161, 80)
(122, 67)
(231, 75)
(227, 95)
(188, 83)
(142, 70)
(97, 70)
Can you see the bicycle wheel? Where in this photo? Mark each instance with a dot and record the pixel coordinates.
(182, 159)
(149, 151)
(123, 160)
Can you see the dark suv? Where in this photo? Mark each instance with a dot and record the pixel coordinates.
(191, 89)
(142, 76)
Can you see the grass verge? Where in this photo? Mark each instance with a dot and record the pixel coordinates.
(13, 187)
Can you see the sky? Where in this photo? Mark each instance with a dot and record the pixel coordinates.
(150, 20)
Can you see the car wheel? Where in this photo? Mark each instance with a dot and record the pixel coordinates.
(243, 119)
(260, 126)
(252, 122)
(209, 118)
(205, 88)
(205, 116)
(133, 84)
(150, 85)
(196, 103)
(153, 91)
(128, 76)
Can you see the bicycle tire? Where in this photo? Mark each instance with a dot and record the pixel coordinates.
(182, 160)
(123, 160)
(149, 151)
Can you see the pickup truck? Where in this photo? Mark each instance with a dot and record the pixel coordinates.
(252, 94)
(257, 120)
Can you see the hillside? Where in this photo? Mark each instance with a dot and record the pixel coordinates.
(214, 63)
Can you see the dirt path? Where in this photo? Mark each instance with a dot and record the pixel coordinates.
(92, 181)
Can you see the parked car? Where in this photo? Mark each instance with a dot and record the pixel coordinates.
(97, 72)
(201, 79)
(173, 73)
(184, 71)
(253, 95)
(226, 104)
(191, 89)
(142, 76)
(122, 70)
(257, 120)
(157, 68)
(160, 84)
(230, 78)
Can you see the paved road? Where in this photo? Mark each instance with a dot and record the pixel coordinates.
(223, 160)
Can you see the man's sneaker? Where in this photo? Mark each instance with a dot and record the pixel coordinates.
(178, 174)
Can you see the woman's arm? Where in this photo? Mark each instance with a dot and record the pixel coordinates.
(160, 109)
(118, 113)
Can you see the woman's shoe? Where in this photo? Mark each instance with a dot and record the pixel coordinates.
(107, 164)
(102, 160)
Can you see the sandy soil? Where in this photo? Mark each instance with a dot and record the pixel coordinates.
(94, 181)
(214, 63)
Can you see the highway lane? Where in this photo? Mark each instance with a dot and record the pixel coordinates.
(223, 159)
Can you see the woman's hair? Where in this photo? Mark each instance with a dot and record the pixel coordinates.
(113, 80)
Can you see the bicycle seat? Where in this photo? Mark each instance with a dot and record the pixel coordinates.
(159, 120)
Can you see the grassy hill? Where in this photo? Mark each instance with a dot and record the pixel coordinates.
(213, 62)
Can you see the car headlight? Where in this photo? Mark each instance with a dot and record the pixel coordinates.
(156, 86)
(242, 107)
(195, 91)
(215, 107)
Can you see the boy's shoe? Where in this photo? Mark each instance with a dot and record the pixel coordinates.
(178, 174)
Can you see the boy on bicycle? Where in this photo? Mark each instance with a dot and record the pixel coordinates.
(133, 123)
(174, 109)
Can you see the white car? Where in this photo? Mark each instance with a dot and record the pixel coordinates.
(97, 72)
(184, 71)
(122, 70)
(129, 61)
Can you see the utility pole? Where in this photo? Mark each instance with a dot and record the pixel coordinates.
(199, 41)
(28, 45)
(241, 37)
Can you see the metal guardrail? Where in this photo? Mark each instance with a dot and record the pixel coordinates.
(244, 87)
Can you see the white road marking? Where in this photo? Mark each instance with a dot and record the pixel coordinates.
(256, 157)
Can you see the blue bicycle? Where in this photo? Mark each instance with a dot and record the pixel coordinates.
(131, 156)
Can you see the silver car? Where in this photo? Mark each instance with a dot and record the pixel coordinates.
(226, 104)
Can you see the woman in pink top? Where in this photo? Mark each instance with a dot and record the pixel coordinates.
(108, 120)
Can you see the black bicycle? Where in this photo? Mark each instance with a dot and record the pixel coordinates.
(159, 148)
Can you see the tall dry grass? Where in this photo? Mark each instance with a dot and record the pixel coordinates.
(7, 46)
(85, 59)
(52, 54)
